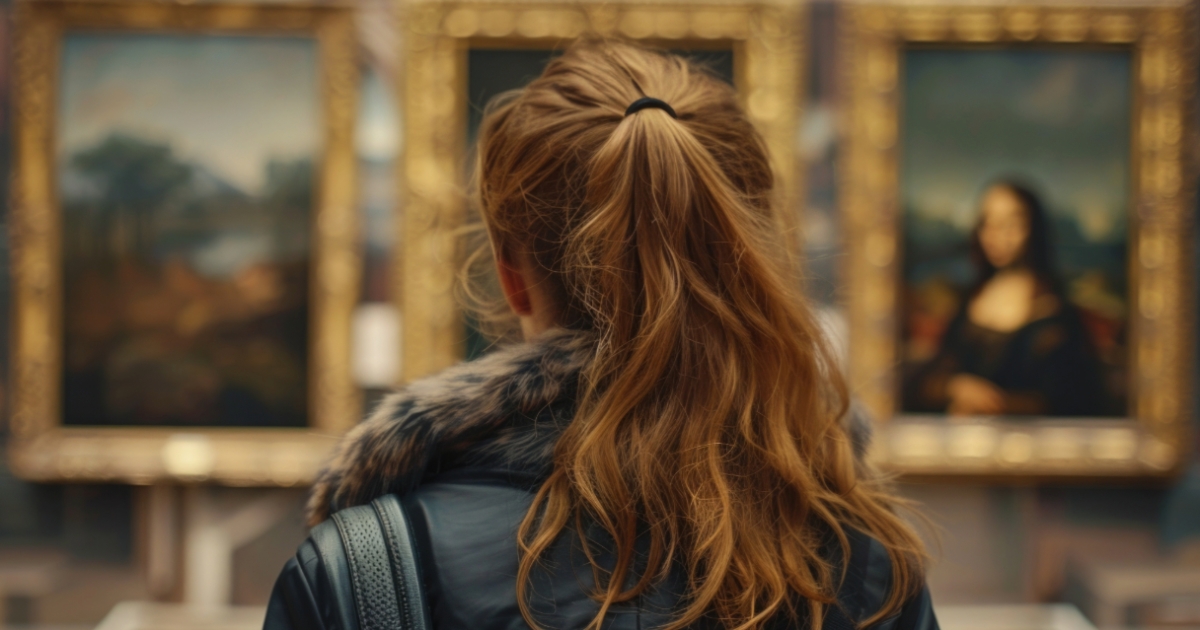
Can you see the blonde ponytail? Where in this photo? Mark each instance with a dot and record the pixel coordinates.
(708, 422)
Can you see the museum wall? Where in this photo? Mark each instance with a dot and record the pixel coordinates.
(995, 538)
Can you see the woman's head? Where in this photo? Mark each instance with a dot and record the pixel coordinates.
(561, 164)
(1012, 231)
(708, 422)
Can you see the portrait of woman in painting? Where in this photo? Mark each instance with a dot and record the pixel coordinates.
(1017, 345)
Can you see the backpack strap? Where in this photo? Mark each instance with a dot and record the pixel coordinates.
(406, 562)
(384, 567)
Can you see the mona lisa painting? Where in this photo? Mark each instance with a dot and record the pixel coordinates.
(1014, 282)
(1016, 237)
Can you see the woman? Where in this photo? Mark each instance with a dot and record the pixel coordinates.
(665, 448)
(1017, 346)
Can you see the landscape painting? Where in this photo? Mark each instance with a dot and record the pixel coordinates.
(185, 173)
(1016, 188)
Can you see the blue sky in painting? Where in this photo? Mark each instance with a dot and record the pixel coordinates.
(1058, 118)
(230, 103)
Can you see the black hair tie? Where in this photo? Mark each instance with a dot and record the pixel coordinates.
(648, 101)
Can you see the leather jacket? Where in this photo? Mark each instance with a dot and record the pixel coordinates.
(465, 450)
(465, 526)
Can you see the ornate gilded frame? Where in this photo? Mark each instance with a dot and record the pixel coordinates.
(44, 450)
(1153, 440)
(769, 72)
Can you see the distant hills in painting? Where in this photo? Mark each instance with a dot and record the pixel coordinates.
(936, 247)
(133, 196)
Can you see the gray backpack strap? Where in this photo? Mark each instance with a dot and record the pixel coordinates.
(385, 574)
(406, 562)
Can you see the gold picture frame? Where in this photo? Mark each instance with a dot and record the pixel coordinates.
(768, 72)
(1153, 440)
(41, 448)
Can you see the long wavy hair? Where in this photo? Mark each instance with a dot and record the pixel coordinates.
(708, 422)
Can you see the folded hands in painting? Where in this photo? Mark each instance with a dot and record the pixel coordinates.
(972, 395)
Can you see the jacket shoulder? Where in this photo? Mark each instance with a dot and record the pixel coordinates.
(313, 592)
(868, 584)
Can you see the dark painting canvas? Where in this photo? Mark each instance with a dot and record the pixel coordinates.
(185, 174)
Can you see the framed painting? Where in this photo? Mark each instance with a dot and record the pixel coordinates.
(184, 234)
(1017, 218)
(462, 53)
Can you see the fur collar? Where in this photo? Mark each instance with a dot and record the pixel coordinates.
(503, 412)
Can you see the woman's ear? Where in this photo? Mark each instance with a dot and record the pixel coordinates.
(516, 292)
